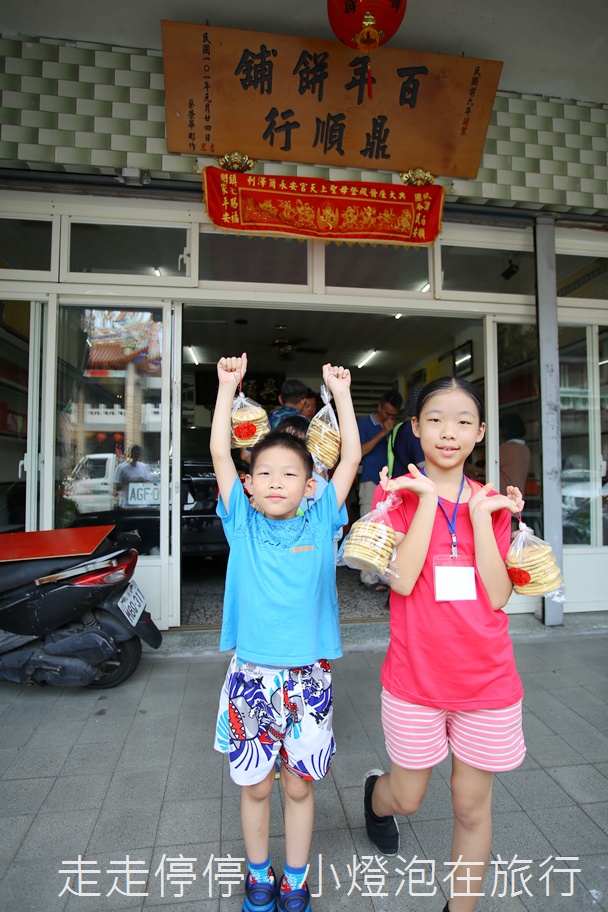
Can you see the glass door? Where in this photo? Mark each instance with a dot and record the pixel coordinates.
(20, 352)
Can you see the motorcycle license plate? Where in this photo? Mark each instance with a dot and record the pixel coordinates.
(132, 602)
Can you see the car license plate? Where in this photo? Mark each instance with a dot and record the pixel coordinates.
(132, 602)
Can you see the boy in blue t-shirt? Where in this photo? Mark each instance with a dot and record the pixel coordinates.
(281, 617)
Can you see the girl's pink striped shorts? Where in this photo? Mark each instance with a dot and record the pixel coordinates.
(419, 737)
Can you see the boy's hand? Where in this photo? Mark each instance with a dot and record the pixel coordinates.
(336, 377)
(230, 371)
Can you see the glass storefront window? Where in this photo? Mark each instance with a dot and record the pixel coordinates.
(128, 249)
(582, 276)
(369, 266)
(580, 486)
(603, 421)
(109, 420)
(487, 271)
(519, 453)
(25, 244)
(232, 258)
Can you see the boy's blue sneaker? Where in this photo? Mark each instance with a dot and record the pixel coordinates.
(293, 900)
(260, 897)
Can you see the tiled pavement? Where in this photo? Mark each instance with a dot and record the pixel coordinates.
(130, 775)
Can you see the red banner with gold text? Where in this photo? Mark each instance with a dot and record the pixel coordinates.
(304, 207)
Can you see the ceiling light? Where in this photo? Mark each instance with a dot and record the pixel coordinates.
(462, 360)
(194, 358)
(157, 271)
(426, 287)
(367, 358)
(398, 316)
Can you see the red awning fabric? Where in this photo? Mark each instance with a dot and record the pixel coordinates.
(343, 211)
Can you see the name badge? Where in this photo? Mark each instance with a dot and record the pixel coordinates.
(454, 579)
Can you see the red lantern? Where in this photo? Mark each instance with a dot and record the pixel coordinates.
(117, 437)
(101, 437)
(365, 24)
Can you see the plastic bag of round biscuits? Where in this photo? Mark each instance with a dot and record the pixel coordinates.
(532, 566)
(323, 435)
(249, 421)
(371, 542)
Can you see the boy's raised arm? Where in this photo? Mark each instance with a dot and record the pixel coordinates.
(230, 372)
(337, 381)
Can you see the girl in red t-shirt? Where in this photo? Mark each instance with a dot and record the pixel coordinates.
(449, 677)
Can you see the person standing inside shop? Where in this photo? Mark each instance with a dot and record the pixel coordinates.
(291, 402)
(132, 470)
(373, 432)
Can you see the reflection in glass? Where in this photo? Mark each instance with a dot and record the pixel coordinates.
(25, 244)
(580, 486)
(366, 266)
(129, 250)
(519, 452)
(233, 258)
(491, 271)
(108, 421)
(582, 276)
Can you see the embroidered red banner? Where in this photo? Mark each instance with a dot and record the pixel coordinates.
(332, 210)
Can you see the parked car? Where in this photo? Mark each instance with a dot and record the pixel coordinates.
(202, 532)
(91, 485)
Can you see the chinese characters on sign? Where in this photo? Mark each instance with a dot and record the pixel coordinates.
(332, 210)
(180, 876)
(284, 98)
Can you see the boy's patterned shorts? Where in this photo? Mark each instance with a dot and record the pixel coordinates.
(267, 714)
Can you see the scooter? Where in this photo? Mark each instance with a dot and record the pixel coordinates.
(70, 612)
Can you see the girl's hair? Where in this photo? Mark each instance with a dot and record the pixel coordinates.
(446, 385)
(288, 442)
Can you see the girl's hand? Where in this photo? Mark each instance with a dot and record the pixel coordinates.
(418, 484)
(481, 503)
(335, 377)
(230, 371)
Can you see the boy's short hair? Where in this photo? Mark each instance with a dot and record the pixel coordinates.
(293, 391)
(288, 442)
(392, 397)
(294, 424)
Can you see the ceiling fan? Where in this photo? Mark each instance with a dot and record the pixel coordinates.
(285, 347)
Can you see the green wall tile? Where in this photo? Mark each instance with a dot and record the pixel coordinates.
(510, 148)
(143, 160)
(599, 115)
(112, 60)
(111, 93)
(132, 78)
(92, 140)
(10, 82)
(544, 181)
(523, 136)
(47, 119)
(112, 125)
(15, 116)
(19, 100)
(76, 55)
(553, 167)
(157, 81)
(563, 154)
(509, 119)
(525, 194)
(523, 163)
(566, 183)
(56, 137)
(105, 158)
(522, 106)
(59, 104)
(156, 113)
(75, 89)
(37, 85)
(40, 50)
(601, 172)
(127, 143)
(578, 142)
(576, 112)
(147, 128)
(534, 150)
(599, 143)
(19, 134)
(574, 198)
(23, 67)
(501, 103)
(54, 70)
(551, 197)
(34, 152)
(496, 132)
(180, 163)
(535, 122)
(75, 122)
(10, 47)
(68, 155)
(93, 107)
(146, 63)
(146, 96)
(510, 178)
(8, 150)
(592, 186)
(600, 200)
(589, 128)
(129, 111)
(156, 146)
(549, 109)
(98, 75)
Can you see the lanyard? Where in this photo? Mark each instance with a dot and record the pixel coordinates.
(452, 521)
